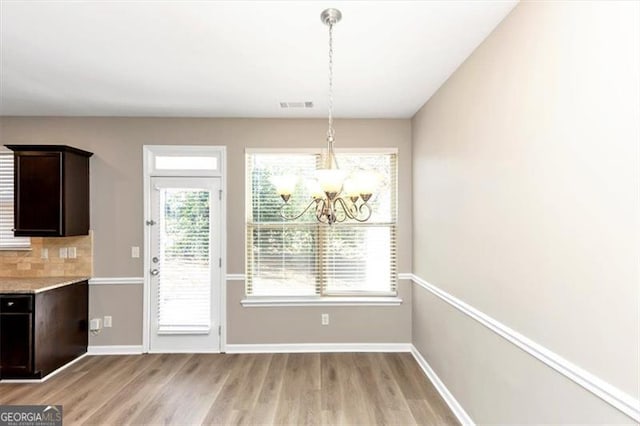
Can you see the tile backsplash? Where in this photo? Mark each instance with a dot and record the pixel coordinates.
(30, 263)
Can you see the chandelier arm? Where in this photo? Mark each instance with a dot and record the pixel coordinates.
(360, 210)
(344, 209)
(363, 209)
(319, 210)
(285, 217)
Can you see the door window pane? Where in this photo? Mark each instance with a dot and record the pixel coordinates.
(184, 282)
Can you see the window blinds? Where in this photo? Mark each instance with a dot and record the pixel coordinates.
(184, 284)
(304, 258)
(7, 240)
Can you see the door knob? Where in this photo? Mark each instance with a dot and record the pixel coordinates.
(155, 260)
(155, 272)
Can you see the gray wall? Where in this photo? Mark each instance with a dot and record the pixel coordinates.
(525, 171)
(117, 204)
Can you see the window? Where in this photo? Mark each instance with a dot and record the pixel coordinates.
(7, 240)
(305, 258)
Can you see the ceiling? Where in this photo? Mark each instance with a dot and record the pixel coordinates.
(232, 58)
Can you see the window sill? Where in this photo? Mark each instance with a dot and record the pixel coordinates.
(259, 302)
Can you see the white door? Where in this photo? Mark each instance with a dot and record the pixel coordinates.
(185, 266)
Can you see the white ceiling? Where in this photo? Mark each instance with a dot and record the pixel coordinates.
(232, 58)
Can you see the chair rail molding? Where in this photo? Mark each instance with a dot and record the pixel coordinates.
(116, 280)
(140, 280)
(599, 387)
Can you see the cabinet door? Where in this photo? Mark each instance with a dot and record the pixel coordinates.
(60, 326)
(15, 345)
(38, 194)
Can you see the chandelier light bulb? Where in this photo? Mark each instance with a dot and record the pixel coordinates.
(284, 184)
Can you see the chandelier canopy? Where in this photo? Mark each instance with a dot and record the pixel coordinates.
(335, 195)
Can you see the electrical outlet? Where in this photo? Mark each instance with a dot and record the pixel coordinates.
(95, 324)
(71, 252)
(44, 254)
(63, 252)
(135, 252)
(325, 319)
(107, 321)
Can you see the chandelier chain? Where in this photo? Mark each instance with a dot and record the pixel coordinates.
(330, 131)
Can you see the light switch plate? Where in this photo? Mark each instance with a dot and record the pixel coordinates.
(71, 251)
(63, 252)
(135, 251)
(108, 321)
(44, 254)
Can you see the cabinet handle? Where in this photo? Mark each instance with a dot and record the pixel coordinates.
(10, 303)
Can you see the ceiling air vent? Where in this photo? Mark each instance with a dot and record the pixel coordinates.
(306, 104)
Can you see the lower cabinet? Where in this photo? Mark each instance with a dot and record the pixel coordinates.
(16, 335)
(41, 332)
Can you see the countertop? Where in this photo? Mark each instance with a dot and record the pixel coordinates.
(35, 285)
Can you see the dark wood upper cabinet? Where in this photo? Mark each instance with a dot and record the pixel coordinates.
(51, 190)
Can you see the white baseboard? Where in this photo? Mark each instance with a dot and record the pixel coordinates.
(448, 397)
(317, 347)
(115, 350)
(48, 376)
(599, 387)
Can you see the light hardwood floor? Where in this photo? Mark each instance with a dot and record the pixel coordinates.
(294, 389)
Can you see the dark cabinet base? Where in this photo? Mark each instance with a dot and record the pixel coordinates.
(34, 342)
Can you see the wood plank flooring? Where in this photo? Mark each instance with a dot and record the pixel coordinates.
(226, 389)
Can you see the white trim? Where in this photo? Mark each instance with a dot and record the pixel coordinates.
(405, 276)
(266, 302)
(147, 163)
(318, 150)
(140, 280)
(115, 350)
(236, 277)
(48, 376)
(607, 392)
(277, 348)
(116, 281)
(448, 397)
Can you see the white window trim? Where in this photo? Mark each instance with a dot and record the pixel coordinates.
(318, 150)
(268, 301)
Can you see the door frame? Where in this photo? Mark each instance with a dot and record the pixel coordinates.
(149, 152)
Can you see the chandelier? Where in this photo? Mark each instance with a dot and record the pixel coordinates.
(335, 196)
